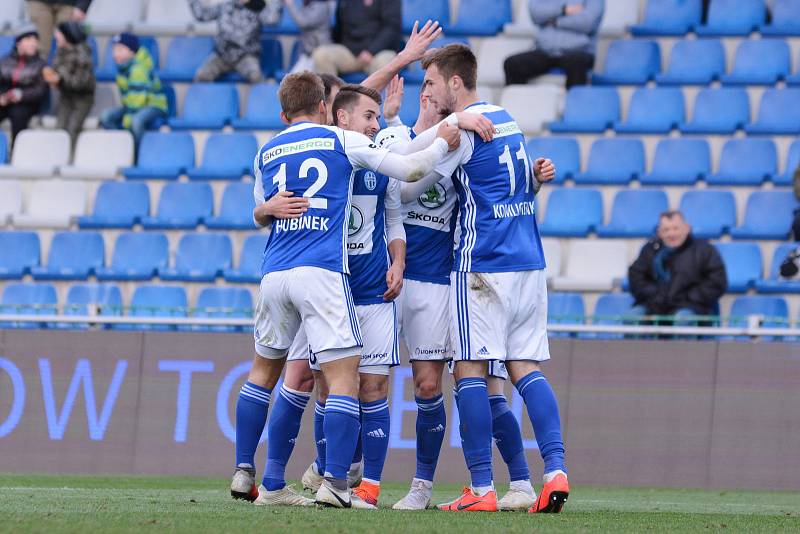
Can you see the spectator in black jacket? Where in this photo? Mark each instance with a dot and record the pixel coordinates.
(22, 87)
(47, 14)
(677, 274)
(366, 37)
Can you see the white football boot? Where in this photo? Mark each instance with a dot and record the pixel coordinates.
(516, 499)
(417, 498)
(327, 495)
(312, 480)
(243, 485)
(286, 496)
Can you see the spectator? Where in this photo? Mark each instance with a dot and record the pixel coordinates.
(366, 37)
(47, 14)
(314, 21)
(796, 187)
(790, 267)
(237, 46)
(567, 40)
(677, 274)
(22, 87)
(72, 74)
(143, 101)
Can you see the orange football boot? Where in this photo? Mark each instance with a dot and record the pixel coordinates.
(469, 502)
(553, 496)
(368, 492)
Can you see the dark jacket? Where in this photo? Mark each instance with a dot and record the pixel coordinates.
(373, 27)
(697, 278)
(83, 5)
(75, 67)
(24, 73)
(238, 28)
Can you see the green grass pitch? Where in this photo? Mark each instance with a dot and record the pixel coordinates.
(38, 503)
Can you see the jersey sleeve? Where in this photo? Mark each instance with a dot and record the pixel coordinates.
(457, 157)
(362, 152)
(394, 212)
(258, 188)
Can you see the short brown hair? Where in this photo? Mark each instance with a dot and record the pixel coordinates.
(300, 94)
(330, 81)
(454, 60)
(671, 214)
(348, 97)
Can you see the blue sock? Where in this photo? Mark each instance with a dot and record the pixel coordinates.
(375, 437)
(431, 424)
(342, 427)
(476, 429)
(251, 416)
(508, 438)
(543, 411)
(319, 435)
(284, 426)
(358, 454)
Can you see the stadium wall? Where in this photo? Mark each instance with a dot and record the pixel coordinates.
(701, 414)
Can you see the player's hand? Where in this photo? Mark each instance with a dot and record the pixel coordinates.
(451, 134)
(419, 41)
(477, 123)
(394, 281)
(544, 170)
(394, 98)
(284, 205)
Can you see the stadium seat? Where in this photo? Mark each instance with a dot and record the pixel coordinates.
(733, 18)
(785, 19)
(118, 205)
(774, 284)
(593, 265)
(710, 213)
(226, 157)
(6, 42)
(11, 13)
(262, 111)
(182, 206)
(272, 58)
(53, 204)
(629, 62)
(184, 57)
(719, 111)
(73, 256)
(572, 212)
(635, 213)
(3, 146)
(768, 215)
(163, 156)
(618, 17)
(613, 161)
(248, 270)
(564, 151)
(778, 114)
(137, 256)
(223, 303)
(236, 209)
(516, 99)
(745, 162)
(19, 252)
(104, 300)
(475, 19)
(491, 55)
(588, 110)
(28, 299)
(668, 17)
(564, 308)
(10, 200)
(521, 25)
(611, 308)
(792, 163)
(743, 265)
(207, 106)
(552, 254)
(422, 10)
(773, 310)
(201, 257)
(113, 16)
(680, 161)
(287, 26)
(653, 111)
(28, 160)
(694, 62)
(100, 155)
(165, 17)
(107, 72)
(156, 301)
(759, 62)
(409, 108)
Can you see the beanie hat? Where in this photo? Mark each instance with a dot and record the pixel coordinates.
(127, 39)
(25, 31)
(74, 32)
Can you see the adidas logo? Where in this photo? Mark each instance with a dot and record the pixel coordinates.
(483, 352)
(376, 433)
(323, 441)
(437, 428)
(293, 441)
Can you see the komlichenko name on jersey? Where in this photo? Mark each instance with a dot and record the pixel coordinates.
(502, 211)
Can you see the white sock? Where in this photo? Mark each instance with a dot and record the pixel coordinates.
(552, 474)
(427, 484)
(480, 491)
(523, 486)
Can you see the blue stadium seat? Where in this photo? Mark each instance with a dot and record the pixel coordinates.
(733, 18)
(423, 10)
(118, 205)
(6, 44)
(3, 147)
(613, 309)
(745, 162)
(137, 256)
(759, 62)
(286, 26)
(207, 106)
(19, 252)
(226, 156)
(28, 299)
(107, 72)
(201, 257)
(182, 206)
(710, 213)
(719, 111)
(248, 270)
(778, 114)
(564, 308)
(263, 109)
(236, 210)
(106, 298)
(564, 151)
(785, 19)
(409, 109)
(680, 161)
(156, 301)
(272, 58)
(475, 19)
(572, 212)
(613, 161)
(413, 74)
(775, 311)
(629, 62)
(589, 110)
(768, 215)
(184, 57)
(225, 303)
(73, 256)
(653, 111)
(635, 213)
(668, 17)
(694, 62)
(792, 162)
(743, 265)
(163, 156)
(172, 107)
(774, 284)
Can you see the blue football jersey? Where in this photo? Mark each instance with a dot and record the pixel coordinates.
(494, 183)
(318, 163)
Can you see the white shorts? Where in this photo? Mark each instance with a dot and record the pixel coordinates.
(424, 316)
(497, 369)
(499, 316)
(319, 299)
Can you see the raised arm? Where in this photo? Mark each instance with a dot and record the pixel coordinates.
(415, 48)
(203, 12)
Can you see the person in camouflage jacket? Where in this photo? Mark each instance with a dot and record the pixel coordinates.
(237, 46)
(23, 91)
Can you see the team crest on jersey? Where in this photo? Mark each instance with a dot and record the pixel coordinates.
(370, 180)
(356, 221)
(433, 197)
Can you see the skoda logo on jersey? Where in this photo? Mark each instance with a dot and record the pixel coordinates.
(356, 221)
(370, 180)
(433, 197)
